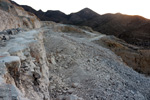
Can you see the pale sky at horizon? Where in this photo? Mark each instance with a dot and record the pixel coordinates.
(130, 7)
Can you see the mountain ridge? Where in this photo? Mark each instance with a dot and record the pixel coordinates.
(127, 27)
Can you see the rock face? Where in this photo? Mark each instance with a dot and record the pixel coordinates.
(13, 16)
(26, 66)
(9, 21)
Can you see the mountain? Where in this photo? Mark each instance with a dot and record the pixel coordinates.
(132, 29)
(81, 16)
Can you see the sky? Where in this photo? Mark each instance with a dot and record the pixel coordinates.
(130, 7)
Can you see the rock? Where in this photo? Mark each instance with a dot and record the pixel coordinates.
(9, 59)
(2, 81)
(12, 32)
(4, 38)
(69, 97)
(3, 33)
(18, 52)
(36, 75)
(75, 85)
(72, 97)
(13, 64)
(52, 87)
(70, 91)
(53, 61)
(9, 92)
(4, 54)
(7, 37)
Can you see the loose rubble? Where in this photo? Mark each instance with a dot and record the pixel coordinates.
(50, 64)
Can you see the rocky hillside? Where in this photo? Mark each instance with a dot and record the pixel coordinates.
(13, 16)
(59, 62)
(50, 61)
(132, 29)
(134, 56)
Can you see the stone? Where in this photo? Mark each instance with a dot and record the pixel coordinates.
(52, 87)
(4, 54)
(53, 61)
(36, 75)
(70, 91)
(69, 97)
(75, 85)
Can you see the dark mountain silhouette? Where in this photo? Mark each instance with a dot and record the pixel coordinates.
(133, 29)
(82, 16)
(56, 16)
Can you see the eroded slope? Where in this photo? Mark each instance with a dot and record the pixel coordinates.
(60, 62)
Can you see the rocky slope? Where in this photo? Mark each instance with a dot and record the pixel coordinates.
(134, 56)
(13, 16)
(132, 29)
(59, 62)
(65, 62)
